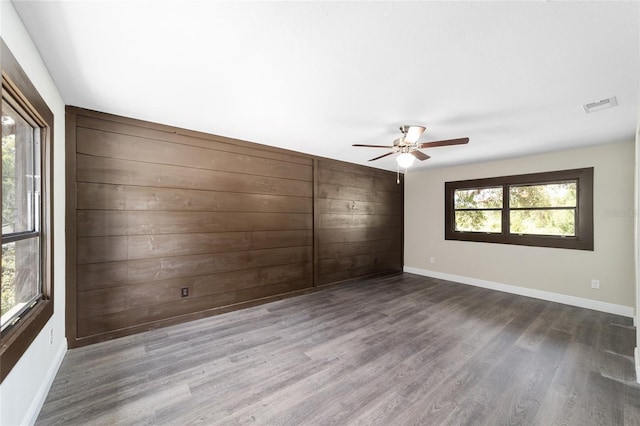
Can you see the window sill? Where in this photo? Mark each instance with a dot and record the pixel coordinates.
(523, 240)
(18, 339)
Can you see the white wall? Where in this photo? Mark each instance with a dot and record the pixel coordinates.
(24, 389)
(637, 250)
(637, 240)
(535, 271)
(637, 244)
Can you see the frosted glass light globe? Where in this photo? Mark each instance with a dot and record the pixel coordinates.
(405, 160)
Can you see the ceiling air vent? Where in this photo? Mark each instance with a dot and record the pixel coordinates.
(600, 105)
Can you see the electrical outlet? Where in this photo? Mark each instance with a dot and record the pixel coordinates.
(184, 291)
(595, 284)
(432, 259)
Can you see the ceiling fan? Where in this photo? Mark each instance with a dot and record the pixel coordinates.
(407, 146)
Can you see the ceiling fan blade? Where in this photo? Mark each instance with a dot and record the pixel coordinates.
(373, 146)
(447, 142)
(420, 155)
(384, 155)
(414, 133)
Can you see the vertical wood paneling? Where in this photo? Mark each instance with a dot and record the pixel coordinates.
(155, 209)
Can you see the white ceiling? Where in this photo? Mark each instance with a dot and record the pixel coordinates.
(317, 77)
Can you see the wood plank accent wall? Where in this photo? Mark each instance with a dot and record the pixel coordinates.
(359, 221)
(156, 209)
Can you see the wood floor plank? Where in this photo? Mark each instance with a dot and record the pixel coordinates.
(394, 350)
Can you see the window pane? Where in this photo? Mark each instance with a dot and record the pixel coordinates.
(479, 198)
(20, 179)
(543, 222)
(479, 221)
(561, 194)
(20, 276)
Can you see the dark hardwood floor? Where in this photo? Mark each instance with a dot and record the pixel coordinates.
(396, 350)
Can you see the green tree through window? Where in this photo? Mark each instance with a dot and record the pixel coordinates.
(478, 209)
(547, 209)
(551, 209)
(21, 260)
(8, 216)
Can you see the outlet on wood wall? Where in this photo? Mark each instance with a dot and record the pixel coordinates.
(152, 210)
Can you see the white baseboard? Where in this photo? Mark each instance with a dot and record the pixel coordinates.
(611, 308)
(38, 401)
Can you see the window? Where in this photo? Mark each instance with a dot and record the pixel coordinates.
(553, 209)
(21, 283)
(26, 299)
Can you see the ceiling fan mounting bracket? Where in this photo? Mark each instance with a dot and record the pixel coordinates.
(405, 128)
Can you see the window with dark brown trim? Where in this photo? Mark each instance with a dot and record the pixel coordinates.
(26, 240)
(550, 209)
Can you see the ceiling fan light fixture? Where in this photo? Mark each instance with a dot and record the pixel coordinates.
(405, 160)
